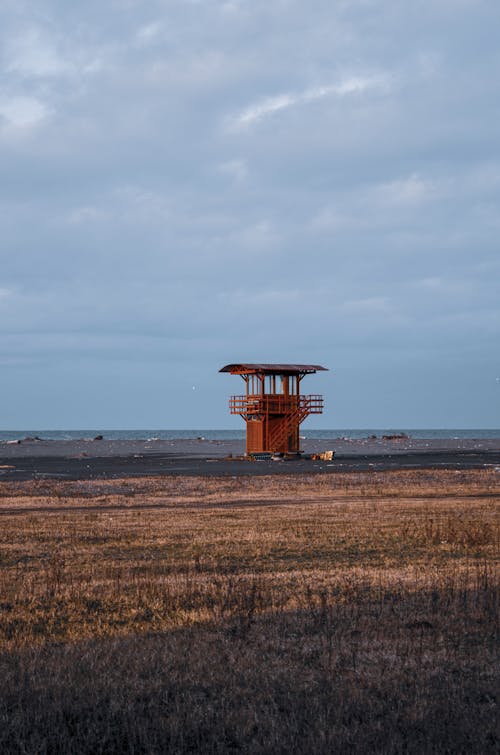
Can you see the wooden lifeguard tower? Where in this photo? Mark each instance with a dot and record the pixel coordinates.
(273, 406)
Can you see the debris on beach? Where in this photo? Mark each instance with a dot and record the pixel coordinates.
(323, 456)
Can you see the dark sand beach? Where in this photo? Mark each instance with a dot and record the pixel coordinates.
(89, 459)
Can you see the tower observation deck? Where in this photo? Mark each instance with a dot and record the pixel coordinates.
(272, 406)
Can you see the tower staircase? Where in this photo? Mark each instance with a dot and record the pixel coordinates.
(312, 404)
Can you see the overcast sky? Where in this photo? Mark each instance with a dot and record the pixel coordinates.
(187, 183)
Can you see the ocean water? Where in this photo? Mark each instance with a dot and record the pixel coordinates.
(240, 434)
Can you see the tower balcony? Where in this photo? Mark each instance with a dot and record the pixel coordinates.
(276, 404)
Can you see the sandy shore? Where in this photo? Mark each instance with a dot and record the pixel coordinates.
(201, 447)
(87, 459)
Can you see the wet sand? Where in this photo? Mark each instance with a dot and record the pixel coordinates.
(94, 459)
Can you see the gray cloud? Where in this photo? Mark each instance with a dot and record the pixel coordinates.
(190, 183)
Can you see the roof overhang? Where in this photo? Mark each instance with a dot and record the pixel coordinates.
(272, 369)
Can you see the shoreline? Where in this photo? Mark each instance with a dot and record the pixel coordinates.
(201, 446)
(101, 459)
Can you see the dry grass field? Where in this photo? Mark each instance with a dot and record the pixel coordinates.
(341, 613)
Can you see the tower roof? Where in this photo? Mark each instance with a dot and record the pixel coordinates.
(272, 369)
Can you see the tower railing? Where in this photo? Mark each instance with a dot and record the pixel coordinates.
(273, 403)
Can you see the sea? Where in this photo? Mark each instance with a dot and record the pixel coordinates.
(354, 434)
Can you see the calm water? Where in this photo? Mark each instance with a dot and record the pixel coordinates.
(240, 434)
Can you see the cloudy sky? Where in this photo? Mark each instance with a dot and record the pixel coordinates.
(187, 183)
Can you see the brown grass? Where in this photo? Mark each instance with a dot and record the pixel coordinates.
(347, 613)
